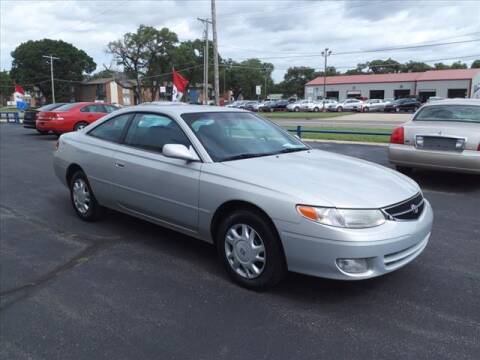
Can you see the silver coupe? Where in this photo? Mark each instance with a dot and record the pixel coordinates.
(268, 202)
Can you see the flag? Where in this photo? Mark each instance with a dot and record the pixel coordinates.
(179, 86)
(18, 97)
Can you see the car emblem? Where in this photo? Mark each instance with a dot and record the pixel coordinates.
(414, 208)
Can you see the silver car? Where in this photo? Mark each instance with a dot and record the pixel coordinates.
(443, 135)
(346, 105)
(266, 200)
(374, 105)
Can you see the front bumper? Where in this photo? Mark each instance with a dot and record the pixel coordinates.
(387, 247)
(467, 161)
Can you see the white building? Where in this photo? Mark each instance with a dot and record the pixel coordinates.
(458, 83)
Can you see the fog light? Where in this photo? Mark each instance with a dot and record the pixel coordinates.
(353, 266)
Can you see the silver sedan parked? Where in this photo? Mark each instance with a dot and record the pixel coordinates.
(267, 201)
(443, 135)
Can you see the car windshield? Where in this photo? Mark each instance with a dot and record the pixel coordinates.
(464, 113)
(65, 107)
(234, 135)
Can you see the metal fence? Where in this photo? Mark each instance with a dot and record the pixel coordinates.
(12, 117)
(299, 130)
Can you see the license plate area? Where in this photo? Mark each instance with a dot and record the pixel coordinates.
(439, 143)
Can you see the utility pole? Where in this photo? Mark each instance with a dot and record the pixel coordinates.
(205, 23)
(326, 53)
(215, 54)
(51, 73)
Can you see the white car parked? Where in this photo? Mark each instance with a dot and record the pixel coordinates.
(346, 105)
(374, 105)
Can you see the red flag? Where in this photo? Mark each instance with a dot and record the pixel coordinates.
(19, 89)
(179, 81)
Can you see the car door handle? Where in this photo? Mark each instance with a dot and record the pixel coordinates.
(119, 164)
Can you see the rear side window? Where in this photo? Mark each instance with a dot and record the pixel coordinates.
(152, 131)
(65, 107)
(94, 109)
(110, 108)
(111, 130)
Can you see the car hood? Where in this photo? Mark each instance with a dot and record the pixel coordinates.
(322, 178)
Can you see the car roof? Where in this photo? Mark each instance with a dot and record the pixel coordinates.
(475, 102)
(178, 109)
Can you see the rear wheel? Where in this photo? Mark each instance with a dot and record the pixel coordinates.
(297, 109)
(340, 109)
(83, 200)
(366, 109)
(316, 109)
(249, 248)
(80, 125)
(42, 132)
(404, 170)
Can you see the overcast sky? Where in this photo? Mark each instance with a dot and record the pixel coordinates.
(286, 33)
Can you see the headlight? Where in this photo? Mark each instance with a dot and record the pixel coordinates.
(345, 218)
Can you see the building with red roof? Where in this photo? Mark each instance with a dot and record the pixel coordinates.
(454, 83)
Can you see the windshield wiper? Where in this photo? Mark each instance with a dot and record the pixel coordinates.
(246, 156)
(289, 150)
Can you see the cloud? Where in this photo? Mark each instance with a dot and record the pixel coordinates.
(246, 29)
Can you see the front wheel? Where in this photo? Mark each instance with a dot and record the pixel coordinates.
(296, 109)
(250, 250)
(82, 198)
(316, 109)
(366, 109)
(339, 109)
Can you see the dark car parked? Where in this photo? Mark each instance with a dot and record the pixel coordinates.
(30, 115)
(276, 105)
(406, 104)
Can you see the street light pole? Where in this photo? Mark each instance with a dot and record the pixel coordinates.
(326, 53)
(205, 23)
(51, 73)
(216, 75)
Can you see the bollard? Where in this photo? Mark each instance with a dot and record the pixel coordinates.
(299, 131)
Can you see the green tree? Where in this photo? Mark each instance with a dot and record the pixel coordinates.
(30, 69)
(6, 87)
(415, 66)
(441, 66)
(458, 65)
(295, 79)
(475, 64)
(244, 76)
(384, 66)
(144, 54)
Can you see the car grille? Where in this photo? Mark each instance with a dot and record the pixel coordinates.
(410, 209)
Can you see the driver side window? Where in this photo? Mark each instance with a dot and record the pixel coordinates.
(153, 131)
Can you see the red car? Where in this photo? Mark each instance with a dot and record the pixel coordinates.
(72, 116)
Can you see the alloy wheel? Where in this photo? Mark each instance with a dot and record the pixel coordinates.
(245, 251)
(81, 196)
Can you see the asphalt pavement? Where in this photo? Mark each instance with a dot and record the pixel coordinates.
(126, 289)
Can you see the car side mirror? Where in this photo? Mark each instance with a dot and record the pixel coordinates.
(179, 151)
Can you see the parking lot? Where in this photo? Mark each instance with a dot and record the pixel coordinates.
(126, 289)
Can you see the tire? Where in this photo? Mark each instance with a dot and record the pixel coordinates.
(272, 109)
(316, 109)
(80, 125)
(272, 269)
(42, 132)
(94, 210)
(404, 170)
(366, 109)
(339, 109)
(296, 109)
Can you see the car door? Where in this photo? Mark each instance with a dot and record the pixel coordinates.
(93, 112)
(97, 154)
(150, 184)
